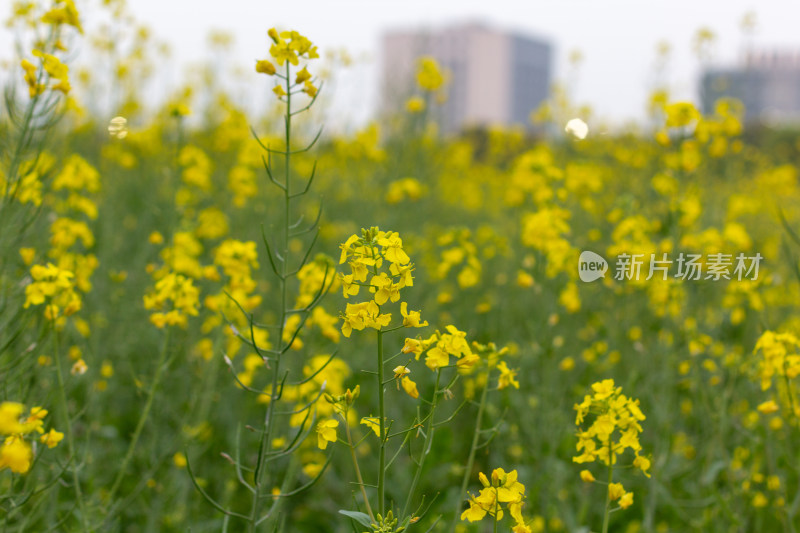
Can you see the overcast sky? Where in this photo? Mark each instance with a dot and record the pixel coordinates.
(618, 38)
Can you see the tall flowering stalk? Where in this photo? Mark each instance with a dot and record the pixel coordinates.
(287, 48)
(55, 288)
(377, 262)
(615, 428)
(380, 267)
(779, 364)
(46, 79)
(490, 360)
(27, 190)
(314, 278)
(172, 300)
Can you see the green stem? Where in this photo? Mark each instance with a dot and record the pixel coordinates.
(160, 367)
(382, 425)
(357, 469)
(426, 447)
(201, 408)
(30, 111)
(607, 514)
(790, 391)
(11, 175)
(472, 451)
(26, 123)
(266, 434)
(266, 439)
(62, 393)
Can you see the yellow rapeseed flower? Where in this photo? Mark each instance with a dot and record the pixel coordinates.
(410, 387)
(501, 490)
(326, 432)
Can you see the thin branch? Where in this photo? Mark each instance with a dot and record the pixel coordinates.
(269, 173)
(316, 372)
(269, 254)
(310, 145)
(308, 185)
(312, 225)
(313, 99)
(208, 498)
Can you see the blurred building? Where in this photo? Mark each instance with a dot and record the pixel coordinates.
(767, 83)
(495, 77)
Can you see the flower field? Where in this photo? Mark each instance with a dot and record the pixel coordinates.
(212, 320)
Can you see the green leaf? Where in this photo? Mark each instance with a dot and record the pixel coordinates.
(361, 518)
(710, 475)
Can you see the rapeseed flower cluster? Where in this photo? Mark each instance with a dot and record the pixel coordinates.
(55, 288)
(289, 47)
(439, 347)
(237, 260)
(182, 257)
(196, 170)
(500, 492)
(316, 278)
(47, 71)
(173, 299)
(379, 265)
(237, 297)
(321, 373)
(615, 426)
(72, 238)
(16, 451)
(429, 74)
(63, 12)
(780, 357)
(28, 188)
(459, 253)
(490, 358)
(405, 189)
(689, 134)
(431, 80)
(242, 177)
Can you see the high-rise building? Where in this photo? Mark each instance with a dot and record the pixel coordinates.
(494, 77)
(767, 83)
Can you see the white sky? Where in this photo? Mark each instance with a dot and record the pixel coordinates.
(617, 37)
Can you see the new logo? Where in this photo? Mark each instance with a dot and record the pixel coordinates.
(591, 266)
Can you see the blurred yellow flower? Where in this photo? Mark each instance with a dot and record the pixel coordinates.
(409, 387)
(768, 407)
(507, 376)
(179, 459)
(429, 74)
(415, 105)
(79, 368)
(264, 66)
(302, 76)
(52, 438)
